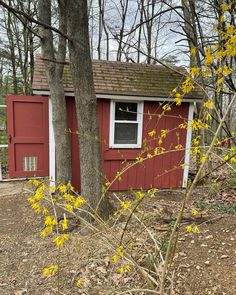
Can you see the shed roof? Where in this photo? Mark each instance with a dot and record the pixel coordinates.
(122, 78)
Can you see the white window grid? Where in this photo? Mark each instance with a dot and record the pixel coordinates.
(139, 121)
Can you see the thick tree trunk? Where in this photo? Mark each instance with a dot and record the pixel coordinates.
(86, 105)
(54, 73)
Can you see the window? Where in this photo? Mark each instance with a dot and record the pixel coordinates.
(126, 119)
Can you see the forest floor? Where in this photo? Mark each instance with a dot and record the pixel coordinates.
(204, 263)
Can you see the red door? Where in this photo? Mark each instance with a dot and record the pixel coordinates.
(28, 137)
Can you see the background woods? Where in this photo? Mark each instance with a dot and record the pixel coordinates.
(125, 133)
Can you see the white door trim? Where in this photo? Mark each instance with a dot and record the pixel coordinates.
(52, 147)
(188, 145)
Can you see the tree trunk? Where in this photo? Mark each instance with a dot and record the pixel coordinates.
(86, 106)
(54, 73)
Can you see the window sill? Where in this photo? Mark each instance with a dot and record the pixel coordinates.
(125, 146)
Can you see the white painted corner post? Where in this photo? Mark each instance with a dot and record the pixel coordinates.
(2, 146)
(188, 145)
(52, 147)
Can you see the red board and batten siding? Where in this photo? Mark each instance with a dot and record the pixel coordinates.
(162, 171)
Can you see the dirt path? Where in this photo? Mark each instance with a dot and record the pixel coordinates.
(205, 264)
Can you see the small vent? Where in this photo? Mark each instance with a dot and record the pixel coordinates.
(30, 163)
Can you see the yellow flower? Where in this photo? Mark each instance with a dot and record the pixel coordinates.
(36, 207)
(231, 46)
(127, 267)
(60, 240)
(178, 147)
(120, 251)
(125, 204)
(115, 258)
(196, 229)
(80, 282)
(45, 211)
(152, 133)
(178, 99)
(208, 116)
(220, 55)
(38, 195)
(182, 126)
(195, 71)
(64, 224)
(35, 182)
(118, 176)
(222, 19)
(62, 188)
(175, 90)
(140, 195)
(46, 231)
(225, 7)
(41, 188)
(49, 221)
(139, 159)
(70, 187)
(156, 150)
(69, 198)
(149, 156)
(79, 201)
(69, 208)
(166, 107)
(31, 200)
(189, 228)
(124, 268)
(220, 81)
(50, 271)
(233, 160)
(209, 104)
(164, 133)
(187, 85)
(194, 212)
(52, 189)
(209, 57)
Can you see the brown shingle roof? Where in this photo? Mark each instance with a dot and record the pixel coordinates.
(122, 78)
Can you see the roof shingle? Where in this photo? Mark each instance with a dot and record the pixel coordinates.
(122, 78)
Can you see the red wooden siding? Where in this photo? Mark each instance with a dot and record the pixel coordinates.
(162, 171)
(28, 135)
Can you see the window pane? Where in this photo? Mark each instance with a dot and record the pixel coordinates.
(126, 111)
(126, 133)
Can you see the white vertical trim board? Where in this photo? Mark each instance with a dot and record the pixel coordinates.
(52, 147)
(188, 145)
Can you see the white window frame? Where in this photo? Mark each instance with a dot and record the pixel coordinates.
(112, 143)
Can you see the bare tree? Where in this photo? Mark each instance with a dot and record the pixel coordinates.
(54, 71)
(86, 105)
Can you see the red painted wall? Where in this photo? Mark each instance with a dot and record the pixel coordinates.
(158, 171)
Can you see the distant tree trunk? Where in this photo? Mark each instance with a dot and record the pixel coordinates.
(140, 30)
(124, 8)
(12, 51)
(54, 73)
(86, 105)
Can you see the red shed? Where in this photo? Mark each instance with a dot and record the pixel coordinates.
(125, 135)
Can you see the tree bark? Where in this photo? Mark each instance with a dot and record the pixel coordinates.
(86, 106)
(54, 73)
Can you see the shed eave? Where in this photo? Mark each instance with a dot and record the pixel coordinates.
(121, 96)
